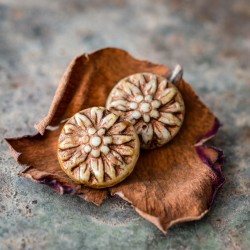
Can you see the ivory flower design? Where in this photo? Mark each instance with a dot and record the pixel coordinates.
(97, 149)
(152, 104)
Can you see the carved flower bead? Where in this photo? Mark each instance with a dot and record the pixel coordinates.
(98, 149)
(152, 104)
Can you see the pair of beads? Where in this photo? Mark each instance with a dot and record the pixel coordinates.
(99, 147)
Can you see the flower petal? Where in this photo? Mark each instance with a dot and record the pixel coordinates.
(83, 120)
(124, 150)
(167, 95)
(69, 142)
(69, 128)
(109, 120)
(119, 127)
(115, 159)
(162, 86)
(66, 154)
(121, 105)
(121, 139)
(75, 160)
(110, 170)
(84, 174)
(169, 119)
(137, 78)
(151, 86)
(173, 108)
(131, 89)
(163, 135)
(120, 93)
(118, 157)
(98, 168)
(96, 114)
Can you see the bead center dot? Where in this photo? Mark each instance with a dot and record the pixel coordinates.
(139, 98)
(148, 98)
(95, 141)
(133, 105)
(145, 107)
(91, 131)
(87, 149)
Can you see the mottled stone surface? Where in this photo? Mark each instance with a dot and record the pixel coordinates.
(211, 39)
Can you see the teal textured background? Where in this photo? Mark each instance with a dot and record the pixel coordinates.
(38, 39)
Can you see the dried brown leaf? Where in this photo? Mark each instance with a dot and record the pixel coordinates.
(171, 184)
